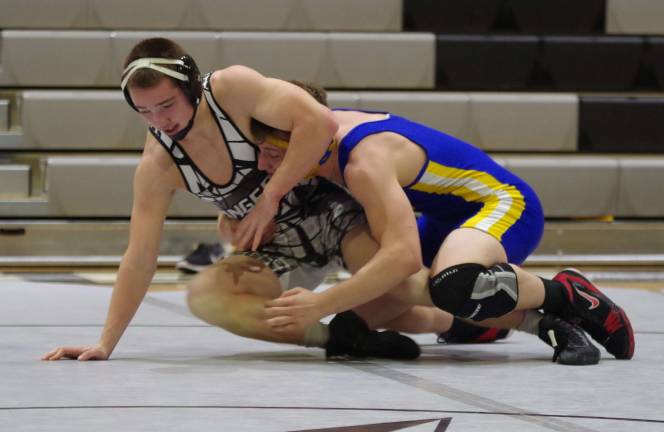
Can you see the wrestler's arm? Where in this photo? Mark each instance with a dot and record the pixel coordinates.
(283, 106)
(152, 197)
(372, 179)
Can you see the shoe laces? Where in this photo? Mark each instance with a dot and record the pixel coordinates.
(557, 349)
(561, 335)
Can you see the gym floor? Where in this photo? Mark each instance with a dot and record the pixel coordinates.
(171, 372)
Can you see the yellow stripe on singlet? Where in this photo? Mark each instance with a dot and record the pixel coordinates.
(503, 203)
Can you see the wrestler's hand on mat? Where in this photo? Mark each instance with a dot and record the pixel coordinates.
(250, 230)
(82, 353)
(296, 308)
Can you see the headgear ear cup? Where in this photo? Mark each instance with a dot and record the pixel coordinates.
(192, 88)
(184, 71)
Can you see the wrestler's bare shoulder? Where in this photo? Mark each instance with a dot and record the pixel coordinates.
(231, 79)
(157, 163)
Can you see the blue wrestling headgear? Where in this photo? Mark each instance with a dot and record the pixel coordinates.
(184, 71)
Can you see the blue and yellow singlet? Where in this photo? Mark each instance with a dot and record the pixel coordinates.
(460, 186)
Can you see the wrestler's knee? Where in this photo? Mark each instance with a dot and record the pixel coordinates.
(474, 291)
(236, 275)
(206, 297)
(214, 290)
(215, 281)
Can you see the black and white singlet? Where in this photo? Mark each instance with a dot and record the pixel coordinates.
(312, 218)
(237, 197)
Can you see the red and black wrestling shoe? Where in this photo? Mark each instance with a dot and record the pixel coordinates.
(594, 312)
(463, 332)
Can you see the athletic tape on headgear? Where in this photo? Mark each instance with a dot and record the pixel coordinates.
(282, 144)
(277, 142)
(185, 73)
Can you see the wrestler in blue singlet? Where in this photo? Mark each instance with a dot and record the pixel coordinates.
(460, 186)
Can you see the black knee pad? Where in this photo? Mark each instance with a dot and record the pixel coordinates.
(474, 291)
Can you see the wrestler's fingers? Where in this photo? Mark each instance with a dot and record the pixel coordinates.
(280, 321)
(59, 353)
(50, 355)
(88, 354)
(91, 354)
(277, 311)
(273, 304)
(242, 239)
(258, 236)
(72, 352)
(291, 292)
(286, 296)
(244, 230)
(283, 302)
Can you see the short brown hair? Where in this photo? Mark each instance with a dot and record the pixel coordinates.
(314, 90)
(153, 47)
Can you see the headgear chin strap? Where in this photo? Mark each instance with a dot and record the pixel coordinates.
(185, 130)
(184, 71)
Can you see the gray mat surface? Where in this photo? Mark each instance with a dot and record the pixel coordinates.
(171, 372)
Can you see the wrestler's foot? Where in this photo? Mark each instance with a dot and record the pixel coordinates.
(594, 312)
(570, 344)
(350, 337)
(463, 332)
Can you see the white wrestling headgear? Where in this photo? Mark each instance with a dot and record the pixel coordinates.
(185, 73)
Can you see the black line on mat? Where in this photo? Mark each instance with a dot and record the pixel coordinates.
(467, 398)
(170, 306)
(306, 408)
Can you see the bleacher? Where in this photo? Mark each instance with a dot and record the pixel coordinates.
(566, 93)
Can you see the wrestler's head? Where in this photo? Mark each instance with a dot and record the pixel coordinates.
(161, 82)
(272, 149)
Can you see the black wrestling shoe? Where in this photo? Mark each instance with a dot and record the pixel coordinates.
(462, 332)
(594, 312)
(350, 337)
(203, 256)
(570, 344)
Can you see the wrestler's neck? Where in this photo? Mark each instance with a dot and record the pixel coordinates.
(203, 129)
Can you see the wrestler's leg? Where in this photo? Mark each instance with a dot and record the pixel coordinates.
(395, 309)
(469, 245)
(357, 248)
(232, 295)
